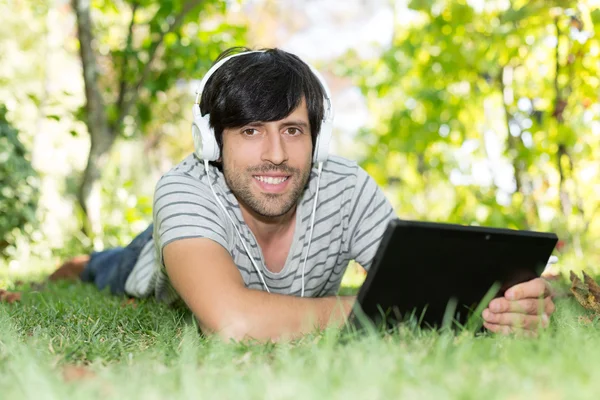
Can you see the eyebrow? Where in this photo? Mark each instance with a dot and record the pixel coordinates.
(283, 124)
(297, 123)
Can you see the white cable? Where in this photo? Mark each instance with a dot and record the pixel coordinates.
(312, 222)
(236, 229)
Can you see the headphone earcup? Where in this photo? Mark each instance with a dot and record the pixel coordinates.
(205, 143)
(322, 143)
(197, 137)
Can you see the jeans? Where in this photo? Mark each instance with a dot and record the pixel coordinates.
(112, 267)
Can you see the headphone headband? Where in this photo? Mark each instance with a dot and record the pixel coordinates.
(204, 138)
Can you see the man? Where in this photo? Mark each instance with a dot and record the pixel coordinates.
(256, 242)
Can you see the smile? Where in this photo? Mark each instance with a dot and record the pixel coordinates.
(271, 180)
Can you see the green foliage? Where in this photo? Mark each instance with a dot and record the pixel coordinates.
(148, 55)
(149, 48)
(493, 109)
(19, 186)
(128, 193)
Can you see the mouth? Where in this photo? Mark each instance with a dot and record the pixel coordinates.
(272, 184)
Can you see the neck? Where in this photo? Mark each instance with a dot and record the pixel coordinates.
(267, 229)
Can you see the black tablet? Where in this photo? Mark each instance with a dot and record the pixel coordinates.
(428, 271)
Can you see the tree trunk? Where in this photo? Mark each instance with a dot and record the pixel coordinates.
(89, 197)
(102, 131)
(101, 136)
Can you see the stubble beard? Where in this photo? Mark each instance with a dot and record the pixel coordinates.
(268, 205)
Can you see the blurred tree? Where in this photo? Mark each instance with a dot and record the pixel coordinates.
(489, 106)
(132, 51)
(19, 186)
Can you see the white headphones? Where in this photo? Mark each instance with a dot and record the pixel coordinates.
(207, 149)
(205, 142)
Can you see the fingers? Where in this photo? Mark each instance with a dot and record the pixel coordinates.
(525, 306)
(534, 288)
(549, 306)
(507, 330)
(516, 320)
(503, 329)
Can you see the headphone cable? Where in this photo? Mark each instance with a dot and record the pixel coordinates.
(236, 229)
(312, 223)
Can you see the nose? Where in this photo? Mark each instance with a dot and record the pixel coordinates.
(274, 149)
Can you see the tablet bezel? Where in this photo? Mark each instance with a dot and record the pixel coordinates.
(489, 233)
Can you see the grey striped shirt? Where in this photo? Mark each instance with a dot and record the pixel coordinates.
(352, 214)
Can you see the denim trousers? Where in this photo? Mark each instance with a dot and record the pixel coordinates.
(111, 267)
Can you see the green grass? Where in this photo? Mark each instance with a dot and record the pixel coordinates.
(154, 352)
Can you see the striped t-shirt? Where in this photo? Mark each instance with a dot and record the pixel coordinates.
(351, 216)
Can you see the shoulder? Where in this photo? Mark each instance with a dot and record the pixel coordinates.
(188, 175)
(185, 206)
(338, 178)
(343, 185)
(359, 190)
(340, 165)
(340, 172)
(189, 169)
(184, 189)
(346, 175)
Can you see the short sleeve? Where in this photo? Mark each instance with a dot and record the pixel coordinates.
(370, 213)
(185, 208)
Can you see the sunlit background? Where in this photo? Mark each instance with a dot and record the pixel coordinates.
(473, 112)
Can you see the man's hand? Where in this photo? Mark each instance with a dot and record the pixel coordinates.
(524, 307)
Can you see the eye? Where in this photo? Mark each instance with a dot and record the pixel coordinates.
(293, 131)
(250, 132)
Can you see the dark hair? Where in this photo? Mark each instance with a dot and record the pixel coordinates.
(265, 87)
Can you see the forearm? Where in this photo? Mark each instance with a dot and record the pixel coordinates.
(266, 316)
(215, 292)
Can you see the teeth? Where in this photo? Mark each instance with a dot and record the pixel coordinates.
(271, 180)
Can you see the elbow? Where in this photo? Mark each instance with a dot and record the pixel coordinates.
(234, 330)
(231, 327)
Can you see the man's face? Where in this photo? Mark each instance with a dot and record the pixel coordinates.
(267, 164)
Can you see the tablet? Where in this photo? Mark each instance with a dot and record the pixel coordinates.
(428, 272)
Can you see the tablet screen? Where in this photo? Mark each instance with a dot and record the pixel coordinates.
(423, 271)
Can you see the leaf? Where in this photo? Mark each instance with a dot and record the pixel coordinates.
(592, 285)
(70, 269)
(76, 373)
(587, 294)
(9, 297)
(129, 302)
(579, 290)
(585, 320)
(595, 16)
(34, 99)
